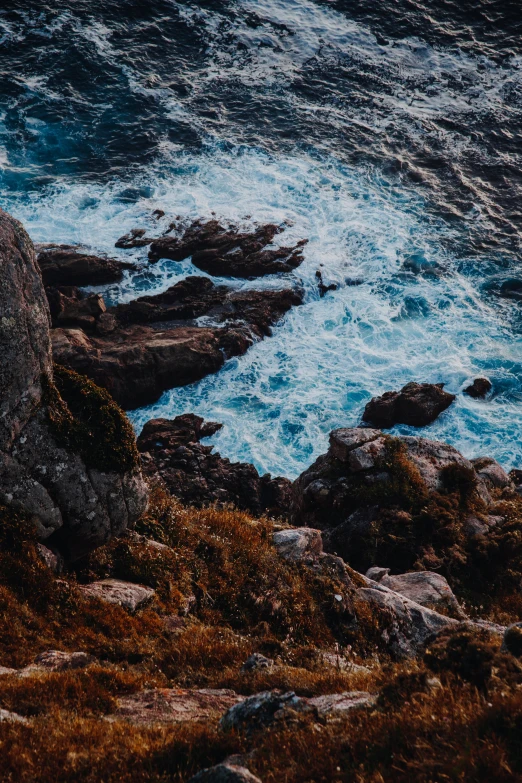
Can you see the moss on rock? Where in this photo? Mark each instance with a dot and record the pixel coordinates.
(84, 418)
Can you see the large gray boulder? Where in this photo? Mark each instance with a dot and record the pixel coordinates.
(77, 477)
(424, 587)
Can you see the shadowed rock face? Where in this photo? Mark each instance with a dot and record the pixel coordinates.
(416, 404)
(46, 470)
(171, 450)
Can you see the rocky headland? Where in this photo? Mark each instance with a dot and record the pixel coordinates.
(169, 615)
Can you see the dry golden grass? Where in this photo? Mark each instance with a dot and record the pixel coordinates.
(465, 725)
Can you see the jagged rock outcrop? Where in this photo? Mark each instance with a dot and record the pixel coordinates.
(407, 502)
(416, 404)
(197, 476)
(228, 252)
(67, 453)
(140, 349)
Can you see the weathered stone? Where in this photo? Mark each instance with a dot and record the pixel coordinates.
(416, 404)
(344, 441)
(58, 661)
(262, 710)
(297, 543)
(255, 662)
(114, 591)
(410, 623)
(424, 587)
(11, 717)
(176, 705)
(489, 470)
(512, 641)
(224, 773)
(52, 560)
(479, 388)
(45, 478)
(336, 704)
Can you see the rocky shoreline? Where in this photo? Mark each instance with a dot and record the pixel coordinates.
(158, 590)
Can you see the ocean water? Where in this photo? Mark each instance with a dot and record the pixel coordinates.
(387, 135)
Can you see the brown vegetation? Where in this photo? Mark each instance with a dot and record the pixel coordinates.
(222, 592)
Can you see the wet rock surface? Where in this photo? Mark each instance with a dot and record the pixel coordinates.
(229, 252)
(67, 265)
(46, 469)
(138, 350)
(417, 404)
(479, 388)
(192, 472)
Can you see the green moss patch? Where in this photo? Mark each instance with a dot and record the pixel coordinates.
(85, 419)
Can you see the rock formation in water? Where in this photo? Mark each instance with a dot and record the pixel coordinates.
(228, 252)
(416, 404)
(67, 454)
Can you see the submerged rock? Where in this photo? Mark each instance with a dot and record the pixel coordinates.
(135, 238)
(227, 252)
(416, 404)
(171, 449)
(68, 458)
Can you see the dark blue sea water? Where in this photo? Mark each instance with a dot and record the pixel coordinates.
(388, 133)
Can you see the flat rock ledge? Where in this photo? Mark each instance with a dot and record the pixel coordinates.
(114, 591)
(175, 705)
(11, 717)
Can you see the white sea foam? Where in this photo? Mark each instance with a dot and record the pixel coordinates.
(329, 356)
